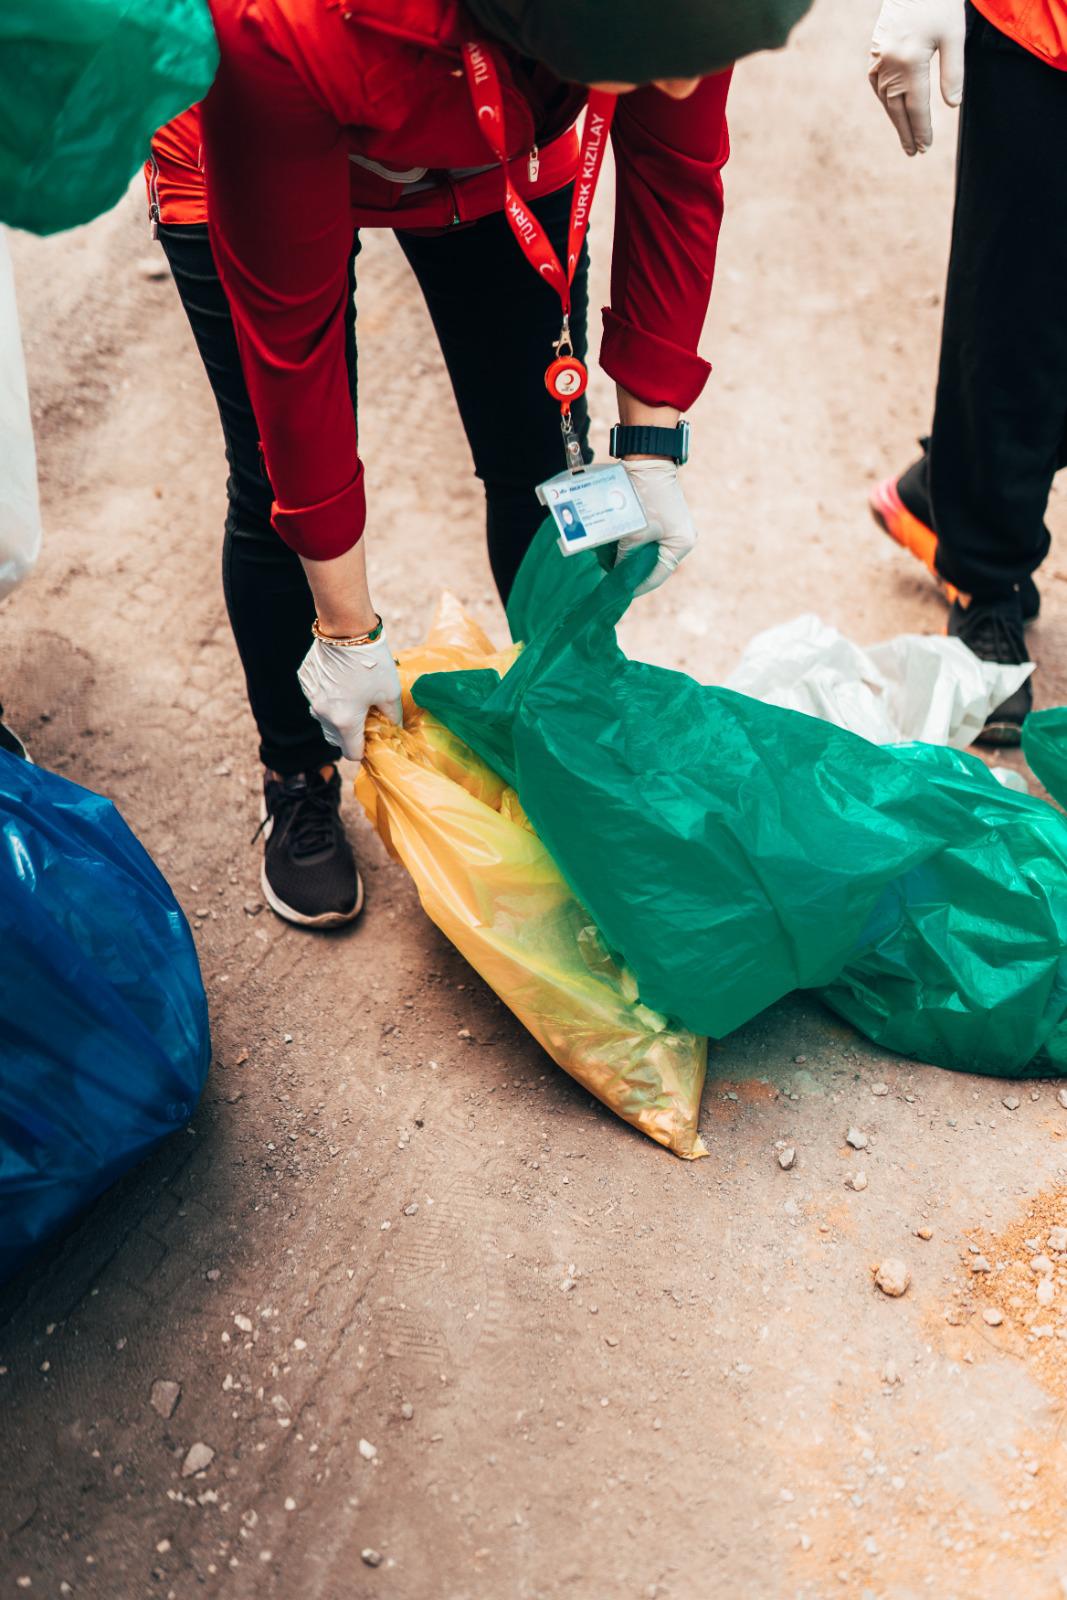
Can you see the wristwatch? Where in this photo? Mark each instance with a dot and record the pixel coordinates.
(644, 441)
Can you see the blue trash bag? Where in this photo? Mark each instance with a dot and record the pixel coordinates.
(104, 1043)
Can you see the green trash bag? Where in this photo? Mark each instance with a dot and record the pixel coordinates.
(83, 86)
(730, 851)
(1045, 748)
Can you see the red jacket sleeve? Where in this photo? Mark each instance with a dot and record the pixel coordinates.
(281, 233)
(669, 156)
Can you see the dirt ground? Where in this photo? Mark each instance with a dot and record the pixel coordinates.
(721, 1404)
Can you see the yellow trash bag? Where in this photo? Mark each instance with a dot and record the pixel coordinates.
(488, 883)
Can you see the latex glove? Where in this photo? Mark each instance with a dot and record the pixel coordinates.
(669, 522)
(906, 35)
(343, 682)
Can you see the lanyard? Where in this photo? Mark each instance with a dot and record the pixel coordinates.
(566, 377)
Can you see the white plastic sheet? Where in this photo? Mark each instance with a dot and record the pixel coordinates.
(913, 687)
(20, 517)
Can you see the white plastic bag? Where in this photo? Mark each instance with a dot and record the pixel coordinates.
(20, 516)
(928, 688)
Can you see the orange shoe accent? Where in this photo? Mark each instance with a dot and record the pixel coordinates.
(894, 518)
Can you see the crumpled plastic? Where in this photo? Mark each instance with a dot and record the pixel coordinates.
(913, 687)
(730, 851)
(84, 84)
(20, 517)
(1045, 748)
(104, 1043)
(487, 882)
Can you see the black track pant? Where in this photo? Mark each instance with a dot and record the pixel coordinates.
(495, 320)
(1000, 417)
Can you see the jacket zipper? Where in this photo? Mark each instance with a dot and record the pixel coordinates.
(153, 205)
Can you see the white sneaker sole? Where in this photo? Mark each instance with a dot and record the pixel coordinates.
(327, 919)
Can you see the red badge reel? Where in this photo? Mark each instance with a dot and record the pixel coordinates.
(566, 379)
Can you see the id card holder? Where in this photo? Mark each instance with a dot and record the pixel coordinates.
(598, 505)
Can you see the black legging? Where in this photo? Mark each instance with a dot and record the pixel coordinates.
(1000, 419)
(495, 321)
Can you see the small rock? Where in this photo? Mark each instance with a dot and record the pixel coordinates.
(787, 1157)
(1061, 1096)
(890, 1373)
(800, 1060)
(857, 1139)
(879, 1089)
(371, 1558)
(1046, 1292)
(857, 1181)
(198, 1458)
(924, 1231)
(407, 1410)
(165, 1396)
(1011, 1102)
(892, 1277)
(1057, 1239)
(992, 1317)
(212, 1274)
(981, 1264)
(152, 268)
(409, 1211)
(367, 1450)
(252, 908)
(243, 1322)
(1041, 1265)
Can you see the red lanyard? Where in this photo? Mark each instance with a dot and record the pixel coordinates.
(566, 377)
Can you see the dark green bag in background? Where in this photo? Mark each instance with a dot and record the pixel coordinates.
(731, 851)
(83, 86)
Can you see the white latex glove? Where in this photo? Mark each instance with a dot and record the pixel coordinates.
(343, 682)
(669, 522)
(906, 36)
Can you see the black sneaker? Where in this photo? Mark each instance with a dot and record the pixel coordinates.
(309, 872)
(10, 741)
(995, 633)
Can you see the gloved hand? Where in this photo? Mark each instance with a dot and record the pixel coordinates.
(669, 522)
(905, 37)
(343, 682)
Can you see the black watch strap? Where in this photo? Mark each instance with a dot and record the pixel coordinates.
(647, 441)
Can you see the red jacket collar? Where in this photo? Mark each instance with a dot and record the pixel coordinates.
(443, 24)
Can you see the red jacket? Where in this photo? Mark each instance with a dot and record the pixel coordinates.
(1040, 26)
(302, 86)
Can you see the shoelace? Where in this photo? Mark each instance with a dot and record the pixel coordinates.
(994, 636)
(309, 827)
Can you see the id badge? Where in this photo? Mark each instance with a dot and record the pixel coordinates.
(593, 507)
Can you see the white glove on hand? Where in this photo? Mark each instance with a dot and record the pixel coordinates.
(905, 37)
(345, 681)
(669, 522)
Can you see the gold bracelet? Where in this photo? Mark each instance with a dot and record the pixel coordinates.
(360, 638)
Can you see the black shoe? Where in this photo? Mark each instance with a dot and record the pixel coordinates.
(309, 872)
(11, 742)
(994, 632)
